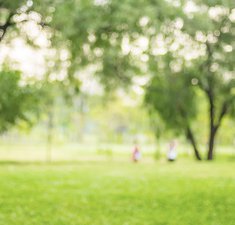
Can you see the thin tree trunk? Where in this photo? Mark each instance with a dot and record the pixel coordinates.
(191, 138)
(210, 154)
(213, 128)
(209, 91)
(49, 136)
(158, 150)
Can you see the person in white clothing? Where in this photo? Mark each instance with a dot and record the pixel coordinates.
(172, 154)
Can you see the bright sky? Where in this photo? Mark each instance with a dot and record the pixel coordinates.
(23, 57)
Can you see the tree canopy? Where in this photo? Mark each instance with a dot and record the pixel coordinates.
(17, 101)
(182, 47)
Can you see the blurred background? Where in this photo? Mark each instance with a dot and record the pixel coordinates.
(84, 80)
(99, 97)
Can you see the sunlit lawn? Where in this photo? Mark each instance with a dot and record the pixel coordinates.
(118, 193)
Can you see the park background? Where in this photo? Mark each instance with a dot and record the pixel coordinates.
(83, 81)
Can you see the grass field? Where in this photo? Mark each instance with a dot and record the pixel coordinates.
(117, 193)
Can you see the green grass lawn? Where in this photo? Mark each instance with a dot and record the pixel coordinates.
(118, 193)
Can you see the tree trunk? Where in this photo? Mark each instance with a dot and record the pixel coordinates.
(214, 129)
(49, 136)
(191, 138)
(210, 154)
(209, 90)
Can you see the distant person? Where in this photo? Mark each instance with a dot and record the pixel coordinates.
(136, 155)
(172, 154)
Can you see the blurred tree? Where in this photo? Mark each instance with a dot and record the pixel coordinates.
(17, 101)
(109, 35)
(189, 42)
(199, 47)
(172, 96)
(21, 19)
(215, 70)
(52, 94)
(157, 126)
(99, 33)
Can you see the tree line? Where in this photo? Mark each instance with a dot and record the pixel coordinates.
(184, 49)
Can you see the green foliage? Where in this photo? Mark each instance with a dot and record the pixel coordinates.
(96, 32)
(196, 40)
(18, 102)
(173, 97)
(199, 47)
(11, 5)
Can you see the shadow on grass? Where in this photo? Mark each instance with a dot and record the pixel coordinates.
(59, 163)
(100, 160)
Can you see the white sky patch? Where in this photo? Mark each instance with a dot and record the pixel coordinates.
(144, 58)
(32, 61)
(228, 75)
(141, 80)
(64, 55)
(138, 47)
(23, 57)
(32, 29)
(126, 47)
(90, 84)
(138, 90)
(144, 21)
(159, 51)
(174, 46)
(175, 3)
(59, 76)
(217, 11)
(142, 42)
(200, 37)
(232, 16)
(138, 84)
(101, 2)
(179, 23)
(128, 99)
(190, 7)
(228, 48)
(159, 45)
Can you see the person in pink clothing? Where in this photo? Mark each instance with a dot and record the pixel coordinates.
(136, 155)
